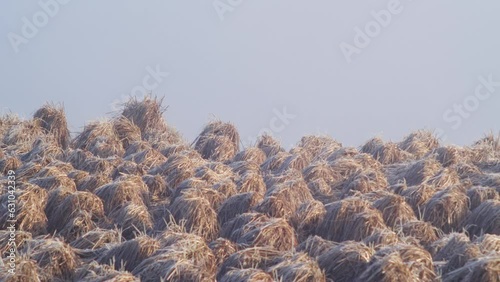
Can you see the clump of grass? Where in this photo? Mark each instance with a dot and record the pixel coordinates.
(218, 141)
(394, 209)
(53, 120)
(340, 261)
(129, 254)
(484, 219)
(419, 143)
(101, 139)
(197, 214)
(350, 219)
(296, 267)
(483, 269)
(385, 153)
(455, 250)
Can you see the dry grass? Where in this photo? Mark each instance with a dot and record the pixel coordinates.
(120, 193)
(316, 246)
(269, 145)
(423, 231)
(30, 201)
(484, 269)
(251, 154)
(318, 147)
(218, 141)
(95, 272)
(222, 249)
(96, 239)
(345, 261)
(394, 209)
(9, 163)
(298, 267)
(71, 206)
(246, 275)
(479, 194)
(385, 153)
(283, 200)
(306, 217)
(129, 254)
(53, 120)
(133, 220)
(249, 258)
(413, 173)
(55, 258)
(488, 244)
(455, 250)
(27, 270)
(484, 219)
(236, 205)
(101, 139)
(147, 114)
(196, 214)
(274, 232)
(136, 202)
(419, 143)
(382, 238)
(181, 257)
(417, 260)
(127, 131)
(251, 182)
(350, 219)
(447, 209)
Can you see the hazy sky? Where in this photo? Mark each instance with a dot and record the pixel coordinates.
(249, 61)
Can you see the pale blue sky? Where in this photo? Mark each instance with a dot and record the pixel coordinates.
(263, 56)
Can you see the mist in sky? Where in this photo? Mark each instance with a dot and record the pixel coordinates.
(292, 68)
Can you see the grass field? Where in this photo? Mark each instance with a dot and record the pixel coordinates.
(127, 199)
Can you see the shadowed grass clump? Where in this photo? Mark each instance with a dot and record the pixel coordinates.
(297, 267)
(96, 239)
(455, 250)
(394, 209)
(484, 219)
(133, 220)
(315, 246)
(350, 219)
(483, 269)
(246, 275)
(340, 261)
(129, 254)
(305, 219)
(222, 249)
(249, 258)
(56, 259)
